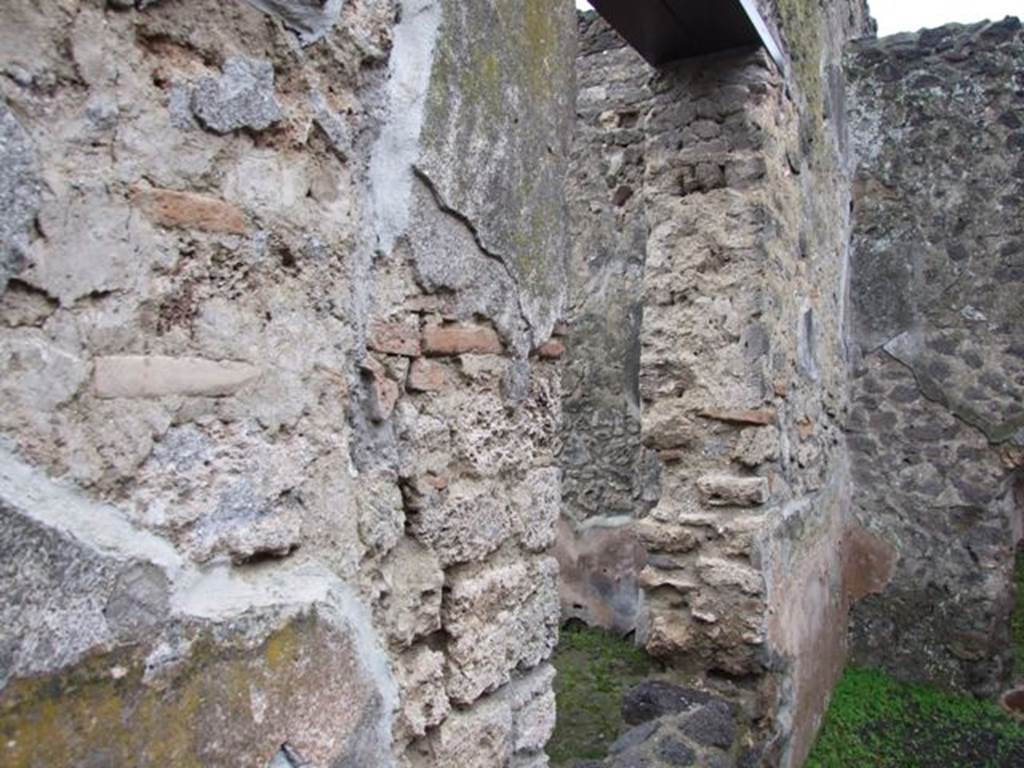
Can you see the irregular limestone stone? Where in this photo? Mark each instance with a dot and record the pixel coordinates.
(719, 572)
(384, 391)
(481, 737)
(92, 244)
(309, 19)
(242, 97)
(35, 374)
(755, 447)
(666, 427)
(414, 582)
(133, 376)
(425, 703)
(728, 491)
(381, 513)
(538, 503)
(331, 125)
(653, 577)
(20, 192)
(465, 523)
(499, 617)
(662, 537)
(532, 700)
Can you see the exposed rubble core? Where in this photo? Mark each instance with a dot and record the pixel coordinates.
(937, 430)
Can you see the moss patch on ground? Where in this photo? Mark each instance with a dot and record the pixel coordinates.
(595, 668)
(876, 722)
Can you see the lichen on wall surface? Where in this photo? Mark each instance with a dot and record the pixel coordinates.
(496, 139)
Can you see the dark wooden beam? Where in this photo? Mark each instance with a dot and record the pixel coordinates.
(668, 30)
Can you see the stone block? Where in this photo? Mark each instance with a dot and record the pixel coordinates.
(460, 339)
(665, 537)
(499, 618)
(242, 97)
(532, 700)
(730, 491)
(20, 193)
(717, 572)
(420, 677)
(464, 523)
(309, 19)
(411, 603)
(187, 210)
(654, 699)
(538, 502)
(137, 376)
(481, 737)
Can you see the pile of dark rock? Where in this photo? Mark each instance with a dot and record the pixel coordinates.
(677, 726)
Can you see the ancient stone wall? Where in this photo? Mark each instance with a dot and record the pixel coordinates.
(609, 479)
(938, 296)
(281, 409)
(742, 186)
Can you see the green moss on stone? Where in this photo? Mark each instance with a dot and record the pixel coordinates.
(595, 668)
(876, 722)
(803, 27)
(493, 64)
(103, 712)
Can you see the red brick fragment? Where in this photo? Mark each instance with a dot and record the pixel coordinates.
(552, 350)
(461, 338)
(395, 338)
(187, 210)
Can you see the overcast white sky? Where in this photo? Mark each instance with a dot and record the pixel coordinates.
(911, 15)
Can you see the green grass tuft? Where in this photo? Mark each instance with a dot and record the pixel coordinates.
(595, 668)
(876, 722)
